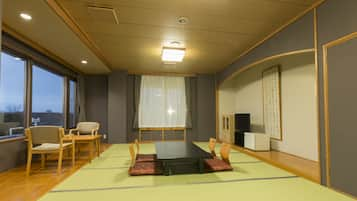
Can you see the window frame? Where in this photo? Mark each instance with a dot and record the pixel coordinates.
(68, 111)
(64, 92)
(33, 58)
(22, 57)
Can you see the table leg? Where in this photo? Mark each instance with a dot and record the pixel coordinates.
(166, 168)
(201, 165)
(91, 144)
(97, 146)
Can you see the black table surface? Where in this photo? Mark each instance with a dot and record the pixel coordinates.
(179, 150)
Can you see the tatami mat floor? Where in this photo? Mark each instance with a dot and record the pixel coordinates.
(106, 178)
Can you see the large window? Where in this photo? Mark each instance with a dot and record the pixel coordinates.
(72, 104)
(47, 98)
(162, 102)
(12, 95)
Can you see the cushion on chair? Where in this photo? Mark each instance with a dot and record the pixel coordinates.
(50, 146)
(45, 134)
(217, 165)
(87, 127)
(146, 157)
(146, 168)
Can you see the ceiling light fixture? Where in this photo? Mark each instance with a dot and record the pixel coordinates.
(182, 20)
(26, 16)
(84, 61)
(172, 55)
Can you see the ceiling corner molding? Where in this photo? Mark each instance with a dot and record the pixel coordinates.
(74, 26)
(313, 6)
(7, 29)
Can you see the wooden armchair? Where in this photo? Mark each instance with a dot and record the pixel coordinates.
(85, 128)
(46, 140)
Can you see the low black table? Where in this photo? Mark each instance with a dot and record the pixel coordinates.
(181, 157)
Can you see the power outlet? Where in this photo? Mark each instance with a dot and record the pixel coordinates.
(105, 136)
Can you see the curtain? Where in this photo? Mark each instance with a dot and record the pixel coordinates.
(162, 102)
(188, 102)
(81, 103)
(137, 87)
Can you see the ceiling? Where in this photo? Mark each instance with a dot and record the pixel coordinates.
(216, 33)
(47, 30)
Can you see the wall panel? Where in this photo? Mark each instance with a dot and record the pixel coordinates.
(117, 107)
(335, 19)
(342, 112)
(96, 96)
(297, 36)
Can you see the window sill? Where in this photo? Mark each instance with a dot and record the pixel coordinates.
(11, 139)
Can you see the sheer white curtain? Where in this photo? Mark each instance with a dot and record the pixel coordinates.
(162, 102)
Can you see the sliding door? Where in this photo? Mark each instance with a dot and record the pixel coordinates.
(341, 98)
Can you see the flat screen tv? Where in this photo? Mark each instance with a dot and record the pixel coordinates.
(242, 122)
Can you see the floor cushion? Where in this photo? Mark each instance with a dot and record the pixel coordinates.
(146, 168)
(217, 165)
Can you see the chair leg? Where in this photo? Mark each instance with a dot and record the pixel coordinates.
(28, 166)
(73, 155)
(59, 168)
(43, 160)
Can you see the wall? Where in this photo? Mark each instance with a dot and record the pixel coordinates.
(96, 96)
(226, 103)
(117, 107)
(334, 19)
(11, 153)
(342, 115)
(298, 101)
(206, 104)
(297, 36)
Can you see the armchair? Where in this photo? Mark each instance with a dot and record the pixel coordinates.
(86, 128)
(47, 140)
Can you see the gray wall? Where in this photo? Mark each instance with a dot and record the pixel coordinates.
(206, 107)
(297, 36)
(12, 154)
(117, 107)
(335, 19)
(342, 98)
(96, 96)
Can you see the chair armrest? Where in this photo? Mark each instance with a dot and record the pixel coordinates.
(14, 129)
(71, 131)
(94, 131)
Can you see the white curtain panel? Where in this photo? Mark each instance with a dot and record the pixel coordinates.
(162, 102)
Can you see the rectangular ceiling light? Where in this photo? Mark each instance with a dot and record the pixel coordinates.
(173, 55)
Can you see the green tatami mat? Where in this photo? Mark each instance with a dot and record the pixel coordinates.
(295, 189)
(106, 178)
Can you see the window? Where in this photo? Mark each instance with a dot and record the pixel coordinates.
(47, 98)
(162, 102)
(72, 104)
(12, 95)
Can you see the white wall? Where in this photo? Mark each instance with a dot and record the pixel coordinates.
(298, 100)
(226, 103)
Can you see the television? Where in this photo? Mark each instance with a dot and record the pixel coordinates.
(242, 122)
